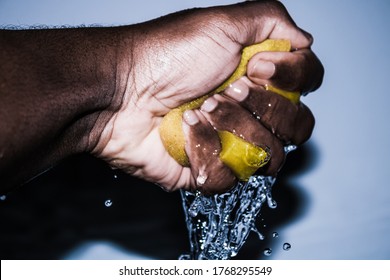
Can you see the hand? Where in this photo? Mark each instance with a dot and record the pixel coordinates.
(186, 55)
(264, 118)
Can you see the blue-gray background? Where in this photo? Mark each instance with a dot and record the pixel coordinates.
(341, 196)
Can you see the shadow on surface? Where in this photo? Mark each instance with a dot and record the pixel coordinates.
(65, 208)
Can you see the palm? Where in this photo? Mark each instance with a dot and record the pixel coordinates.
(176, 75)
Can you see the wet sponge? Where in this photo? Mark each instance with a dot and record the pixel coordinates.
(241, 157)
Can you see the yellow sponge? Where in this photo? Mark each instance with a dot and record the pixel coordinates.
(242, 157)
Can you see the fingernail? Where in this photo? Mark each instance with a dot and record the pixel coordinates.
(238, 90)
(209, 105)
(262, 69)
(190, 117)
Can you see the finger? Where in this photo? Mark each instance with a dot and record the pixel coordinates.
(227, 115)
(285, 27)
(291, 123)
(300, 70)
(203, 147)
(304, 125)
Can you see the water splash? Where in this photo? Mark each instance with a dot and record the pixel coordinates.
(219, 225)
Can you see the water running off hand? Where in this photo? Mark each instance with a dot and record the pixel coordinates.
(219, 225)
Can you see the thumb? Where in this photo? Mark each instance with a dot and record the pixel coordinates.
(284, 27)
(287, 29)
(271, 20)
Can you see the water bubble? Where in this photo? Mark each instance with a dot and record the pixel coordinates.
(3, 197)
(286, 246)
(267, 252)
(275, 234)
(108, 203)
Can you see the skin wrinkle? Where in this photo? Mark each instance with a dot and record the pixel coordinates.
(212, 58)
(98, 130)
(154, 84)
(169, 84)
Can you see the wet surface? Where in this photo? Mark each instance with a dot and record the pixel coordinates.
(67, 206)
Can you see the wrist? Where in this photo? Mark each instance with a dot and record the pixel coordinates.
(119, 90)
(58, 88)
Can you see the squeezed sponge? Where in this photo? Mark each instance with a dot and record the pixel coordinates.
(242, 157)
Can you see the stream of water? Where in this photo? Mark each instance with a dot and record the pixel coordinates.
(219, 225)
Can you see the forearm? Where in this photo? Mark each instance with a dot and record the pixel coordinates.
(57, 89)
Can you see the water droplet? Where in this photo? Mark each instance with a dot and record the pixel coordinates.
(275, 234)
(219, 225)
(259, 234)
(3, 197)
(108, 203)
(267, 252)
(194, 209)
(185, 257)
(115, 176)
(289, 148)
(201, 179)
(286, 246)
(271, 202)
